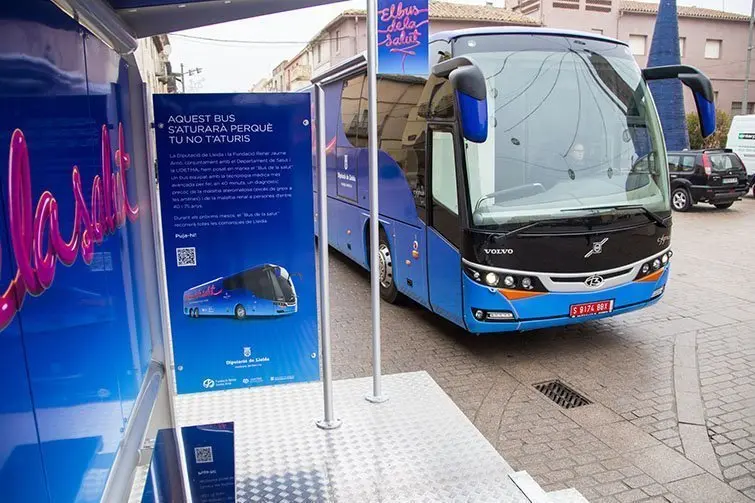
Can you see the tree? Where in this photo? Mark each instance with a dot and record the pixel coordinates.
(716, 140)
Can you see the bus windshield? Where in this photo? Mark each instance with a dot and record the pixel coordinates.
(571, 127)
(283, 280)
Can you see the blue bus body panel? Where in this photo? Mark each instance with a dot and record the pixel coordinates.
(552, 309)
(409, 253)
(444, 275)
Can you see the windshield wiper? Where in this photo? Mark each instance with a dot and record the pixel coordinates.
(650, 214)
(523, 228)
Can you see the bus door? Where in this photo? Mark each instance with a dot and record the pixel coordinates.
(444, 225)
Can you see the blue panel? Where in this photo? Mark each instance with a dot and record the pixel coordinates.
(667, 94)
(71, 205)
(235, 187)
(552, 309)
(409, 253)
(210, 462)
(474, 117)
(444, 274)
(22, 477)
(403, 30)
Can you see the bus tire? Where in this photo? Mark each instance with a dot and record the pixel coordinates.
(239, 311)
(388, 290)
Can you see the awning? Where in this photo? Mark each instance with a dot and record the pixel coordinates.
(121, 22)
(154, 17)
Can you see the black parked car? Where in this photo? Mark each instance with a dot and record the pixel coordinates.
(715, 176)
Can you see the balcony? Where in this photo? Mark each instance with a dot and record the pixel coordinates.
(301, 72)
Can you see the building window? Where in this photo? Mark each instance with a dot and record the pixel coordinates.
(715, 98)
(338, 41)
(598, 31)
(712, 49)
(637, 44)
(682, 46)
(736, 108)
(318, 52)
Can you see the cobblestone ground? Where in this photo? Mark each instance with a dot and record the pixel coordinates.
(672, 387)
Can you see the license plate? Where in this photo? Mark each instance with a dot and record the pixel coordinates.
(730, 180)
(590, 308)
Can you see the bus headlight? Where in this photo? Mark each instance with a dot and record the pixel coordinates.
(527, 283)
(652, 266)
(509, 281)
(491, 279)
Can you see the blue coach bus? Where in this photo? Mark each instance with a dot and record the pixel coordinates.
(522, 184)
(265, 290)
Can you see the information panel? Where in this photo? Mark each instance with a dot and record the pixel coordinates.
(403, 36)
(235, 184)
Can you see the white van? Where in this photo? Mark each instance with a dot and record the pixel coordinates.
(741, 140)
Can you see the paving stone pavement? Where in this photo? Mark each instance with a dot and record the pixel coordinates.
(626, 445)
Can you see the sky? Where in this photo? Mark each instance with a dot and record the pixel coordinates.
(236, 67)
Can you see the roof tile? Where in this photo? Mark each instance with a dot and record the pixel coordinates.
(683, 11)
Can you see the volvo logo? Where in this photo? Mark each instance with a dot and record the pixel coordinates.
(594, 281)
(498, 251)
(597, 248)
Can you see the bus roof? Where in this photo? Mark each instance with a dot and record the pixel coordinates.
(359, 61)
(204, 284)
(518, 30)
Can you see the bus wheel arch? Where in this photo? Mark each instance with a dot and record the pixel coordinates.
(388, 290)
(239, 311)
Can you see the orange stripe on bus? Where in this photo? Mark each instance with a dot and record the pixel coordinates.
(518, 294)
(653, 277)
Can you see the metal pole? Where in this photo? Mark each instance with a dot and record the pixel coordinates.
(328, 422)
(745, 100)
(377, 395)
(183, 86)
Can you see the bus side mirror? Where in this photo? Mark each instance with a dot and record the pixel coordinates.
(701, 88)
(471, 95)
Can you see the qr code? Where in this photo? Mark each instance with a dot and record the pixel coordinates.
(186, 257)
(203, 455)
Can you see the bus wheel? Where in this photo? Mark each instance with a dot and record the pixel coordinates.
(196, 312)
(388, 290)
(240, 312)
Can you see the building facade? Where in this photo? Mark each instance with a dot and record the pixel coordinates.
(713, 41)
(346, 36)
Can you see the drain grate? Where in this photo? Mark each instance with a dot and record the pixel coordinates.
(562, 394)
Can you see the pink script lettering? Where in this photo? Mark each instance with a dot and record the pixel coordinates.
(109, 209)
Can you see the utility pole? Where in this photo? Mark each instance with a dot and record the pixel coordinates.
(745, 100)
(190, 72)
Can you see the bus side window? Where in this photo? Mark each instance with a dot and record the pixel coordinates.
(440, 50)
(402, 130)
(354, 92)
(442, 101)
(445, 207)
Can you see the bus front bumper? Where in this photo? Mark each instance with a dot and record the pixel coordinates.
(552, 309)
